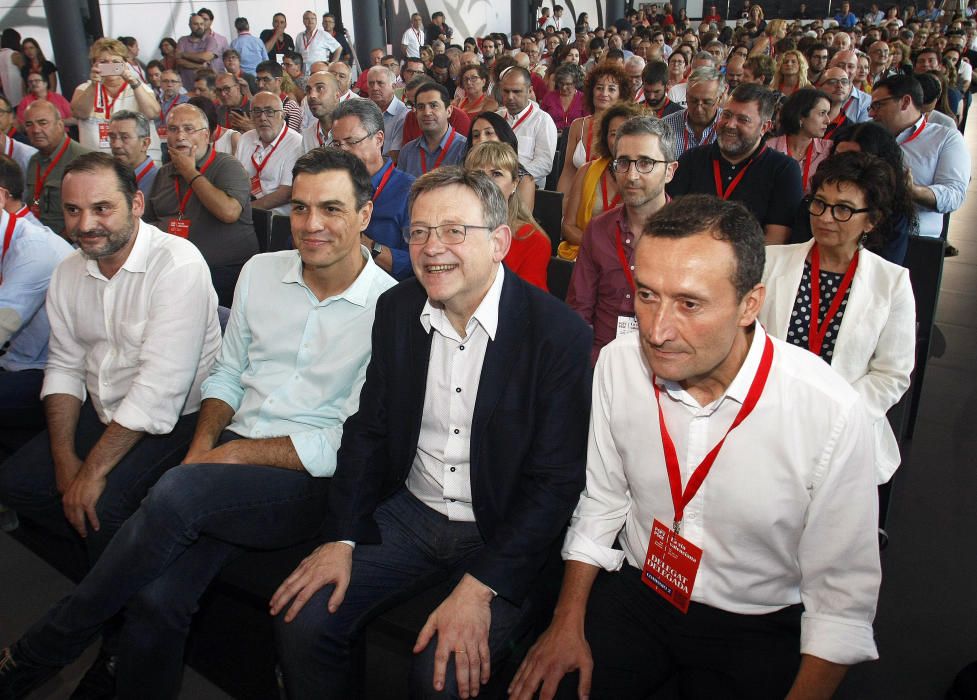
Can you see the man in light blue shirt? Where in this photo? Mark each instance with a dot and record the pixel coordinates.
(294, 357)
(30, 252)
(439, 144)
(250, 48)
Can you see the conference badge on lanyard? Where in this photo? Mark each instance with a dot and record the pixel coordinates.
(671, 565)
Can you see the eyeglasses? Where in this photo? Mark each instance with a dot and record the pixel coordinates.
(349, 143)
(839, 212)
(449, 234)
(266, 112)
(832, 82)
(874, 107)
(185, 129)
(226, 89)
(643, 165)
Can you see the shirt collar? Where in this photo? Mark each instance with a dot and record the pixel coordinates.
(739, 387)
(149, 159)
(516, 117)
(138, 257)
(262, 146)
(486, 315)
(444, 139)
(912, 127)
(375, 179)
(357, 293)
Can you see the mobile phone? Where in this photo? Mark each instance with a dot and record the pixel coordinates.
(236, 110)
(111, 68)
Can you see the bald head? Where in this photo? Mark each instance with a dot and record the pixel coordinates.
(846, 60)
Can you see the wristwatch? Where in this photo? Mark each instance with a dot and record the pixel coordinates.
(376, 250)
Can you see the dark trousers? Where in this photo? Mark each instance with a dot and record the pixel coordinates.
(161, 561)
(639, 642)
(21, 409)
(28, 486)
(418, 545)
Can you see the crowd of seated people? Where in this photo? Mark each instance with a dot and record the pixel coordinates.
(399, 385)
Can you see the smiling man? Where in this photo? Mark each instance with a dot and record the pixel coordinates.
(263, 448)
(268, 153)
(462, 463)
(756, 577)
(439, 143)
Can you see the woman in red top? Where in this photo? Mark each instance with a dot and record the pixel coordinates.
(530, 251)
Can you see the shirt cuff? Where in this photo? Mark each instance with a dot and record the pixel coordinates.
(58, 383)
(838, 640)
(577, 547)
(316, 453)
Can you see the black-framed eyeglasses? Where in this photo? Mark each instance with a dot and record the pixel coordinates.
(266, 112)
(874, 107)
(449, 234)
(831, 82)
(839, 212)
(350, 143)
(642, 165)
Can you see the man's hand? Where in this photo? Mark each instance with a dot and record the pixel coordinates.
(561, 649)
(329, 563)
(66, 468)
(240, 122)
(185, 165)
(462, 624)
(80, 499)
(222, 454)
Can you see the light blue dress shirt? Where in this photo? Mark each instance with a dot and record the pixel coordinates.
(409, 159)
(291, 364)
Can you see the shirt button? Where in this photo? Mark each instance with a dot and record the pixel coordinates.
(627, 296)
(457, 389)
(457, 431)
(461, 347)
(452, 469)
(628, 241)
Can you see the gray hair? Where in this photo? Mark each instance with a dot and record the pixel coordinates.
(142, 124)
(635, 61)
(370, 116)
(650, 126)
(197, 112)
(390, 73)
(705, 56)
(495, 209)
(707, 74)
(572, 72)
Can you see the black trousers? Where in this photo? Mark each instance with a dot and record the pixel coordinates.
(639, 642)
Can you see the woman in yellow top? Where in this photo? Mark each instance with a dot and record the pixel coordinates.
(594, 190)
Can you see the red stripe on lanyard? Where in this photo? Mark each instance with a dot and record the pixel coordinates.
(39, 179)
(815, 334)
(142, 173)
(625, 265)
(916, 133)
(523, 118)
(736, 180)
(603, 190)
(383, 181)
(807, 161)
(176, 184)
(259, 167)
(8, 236)
(444, 152)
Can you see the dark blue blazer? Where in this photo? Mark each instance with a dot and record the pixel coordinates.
(529, 429)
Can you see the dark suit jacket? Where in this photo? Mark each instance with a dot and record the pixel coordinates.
(529, 429)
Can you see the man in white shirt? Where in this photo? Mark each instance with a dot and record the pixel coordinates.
(134, 333)
(937, 157)
(268, 152)
(343, 74)
(413, 38)
(380, 82)
(12, 148)
(534, 128)
(781, 512)
(315, 44)
(323, 96)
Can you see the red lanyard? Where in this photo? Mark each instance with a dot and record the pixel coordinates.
(916, 133)
(23, 211)
(603, 190)
(383, 181)
(8, 236)
(815, 335)
(661, 112)
(464, 103)
(736, 180)
(258, 167)
(107, 106)
(625, 265)
(165, 109)
(681, 499)
(39, 179)
(807, 159)
(319, 135)
(176, 184)
(308, 41)
(444, 152)
(523, 118)
(142, 173)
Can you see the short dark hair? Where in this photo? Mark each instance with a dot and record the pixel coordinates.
(655, 72)
(156, 63)
(206, 11)
(873, 176)
(229, 53)
(931, 86)
(207, 107)
(798, 106)
(295, 56)
(96, 161)
(241, 24)
(11, 176)
(273, 68)
(435, 87)
(766, 99)
(320, 160)
(207, 75)
(761, 67)
(899, 85)
(614, 54)
(730, 221)
(499, 125)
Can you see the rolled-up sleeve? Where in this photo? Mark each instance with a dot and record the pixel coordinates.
(839, 552)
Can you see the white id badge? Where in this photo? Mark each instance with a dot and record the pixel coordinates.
(626, 325)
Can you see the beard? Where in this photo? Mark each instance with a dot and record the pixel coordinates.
(112, 240)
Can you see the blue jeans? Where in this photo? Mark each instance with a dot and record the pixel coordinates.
(159, 564)
(27, 481)
(418, 545)
(21, 409)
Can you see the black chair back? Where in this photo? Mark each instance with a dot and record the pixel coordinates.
(548, 211)
(280, 237)
(261, 219)
(558, 277)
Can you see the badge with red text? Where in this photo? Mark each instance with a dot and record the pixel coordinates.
(255, 186)
(103, 135)
(161, 131)
(179, 227)
(671, 565)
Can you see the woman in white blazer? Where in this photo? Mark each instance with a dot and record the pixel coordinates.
(866, 324)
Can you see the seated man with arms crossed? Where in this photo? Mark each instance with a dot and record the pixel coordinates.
(289, 373)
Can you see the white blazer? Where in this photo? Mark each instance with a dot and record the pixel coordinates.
(876, 346)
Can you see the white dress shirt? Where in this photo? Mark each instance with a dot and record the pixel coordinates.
(20, 152)
(441, 474)
(876, 346)
(88, 134)
(139, 344)
(313, 137)
(278, 171)
(939, 159)
(537, 141)
(412, 40)
(320, 47)
(788, 514)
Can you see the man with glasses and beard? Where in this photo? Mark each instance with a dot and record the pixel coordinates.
(739, 166)
(268, 152)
